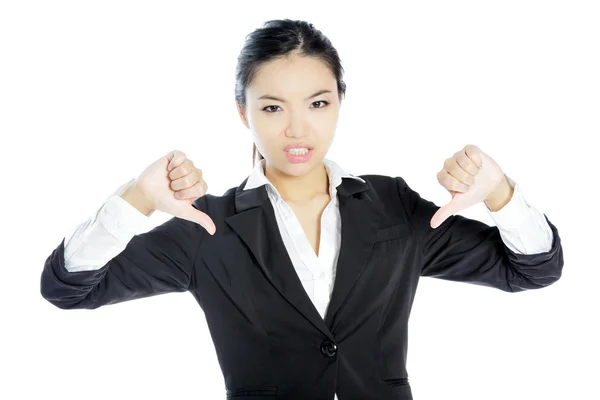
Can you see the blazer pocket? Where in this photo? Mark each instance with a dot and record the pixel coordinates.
(399, 388)
(396, 381)
(252, 392)
(392, 232)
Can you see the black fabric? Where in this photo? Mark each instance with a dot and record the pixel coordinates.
(270, 340)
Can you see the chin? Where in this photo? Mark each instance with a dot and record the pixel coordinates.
(298, 169)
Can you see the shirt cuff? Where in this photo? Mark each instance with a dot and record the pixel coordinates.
(122, 220)
(515, 213)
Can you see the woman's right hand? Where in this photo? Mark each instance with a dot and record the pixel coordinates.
(171, 184)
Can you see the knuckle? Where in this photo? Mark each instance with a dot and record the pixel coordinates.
(176, 154)
(202, 188)
(175, 173)
(182, 194)
(179, 155)
(187, 180)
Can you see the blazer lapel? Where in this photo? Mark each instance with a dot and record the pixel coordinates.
(361, 218)
(255, 223)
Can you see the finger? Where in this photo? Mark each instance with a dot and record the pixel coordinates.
(193, 192)
(463, 170)
(454, 169)
(190, 213)
(175, 158)
(451, 183)
(438, 218)
(183, 169)
(466, 163)
(186, 181)
(474, 154)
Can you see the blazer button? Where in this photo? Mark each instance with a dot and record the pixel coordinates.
(328, 348)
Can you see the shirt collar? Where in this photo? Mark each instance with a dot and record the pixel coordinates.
(335, 173)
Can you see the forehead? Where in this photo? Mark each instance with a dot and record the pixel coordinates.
(294, 76)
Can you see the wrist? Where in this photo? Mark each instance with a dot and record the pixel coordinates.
(134, 196)
(500, 197)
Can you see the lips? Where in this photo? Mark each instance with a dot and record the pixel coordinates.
(298, 146)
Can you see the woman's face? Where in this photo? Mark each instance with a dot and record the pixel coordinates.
(296, 116)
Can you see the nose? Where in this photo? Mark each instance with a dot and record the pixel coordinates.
(297, 126)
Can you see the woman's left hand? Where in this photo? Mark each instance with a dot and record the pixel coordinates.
(470, 176)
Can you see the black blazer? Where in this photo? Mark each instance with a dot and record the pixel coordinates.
(270, 340)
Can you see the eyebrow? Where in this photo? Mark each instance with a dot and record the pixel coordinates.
(267, 96)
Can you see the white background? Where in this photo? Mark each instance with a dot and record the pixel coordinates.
(93, 92)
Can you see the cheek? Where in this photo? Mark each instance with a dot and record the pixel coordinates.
(325, 124)
(266, 136)
(261, 121)
(326, 121)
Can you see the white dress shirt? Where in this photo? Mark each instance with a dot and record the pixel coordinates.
(106, 233)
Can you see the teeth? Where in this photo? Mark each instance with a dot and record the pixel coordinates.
(298, 151)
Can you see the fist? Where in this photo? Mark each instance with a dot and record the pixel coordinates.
(470, 176)
(171, 184)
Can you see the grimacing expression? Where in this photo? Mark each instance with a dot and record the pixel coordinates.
(293, 99)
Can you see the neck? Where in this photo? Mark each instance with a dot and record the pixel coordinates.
(299, 189)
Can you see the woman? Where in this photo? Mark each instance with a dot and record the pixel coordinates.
(262, 259)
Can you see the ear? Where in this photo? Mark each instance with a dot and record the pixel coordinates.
(242, 114)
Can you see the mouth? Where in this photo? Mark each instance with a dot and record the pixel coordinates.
(299, 154)
(298, 146)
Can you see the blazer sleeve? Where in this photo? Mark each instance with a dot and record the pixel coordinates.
(155, 262)
(466, 250)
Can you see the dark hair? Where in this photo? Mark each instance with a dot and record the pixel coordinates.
(279, 38)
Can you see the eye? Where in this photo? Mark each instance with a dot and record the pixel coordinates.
(265, 109)
(270, 110)
(321, 101)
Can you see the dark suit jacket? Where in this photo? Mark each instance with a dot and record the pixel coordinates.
(270, 340)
